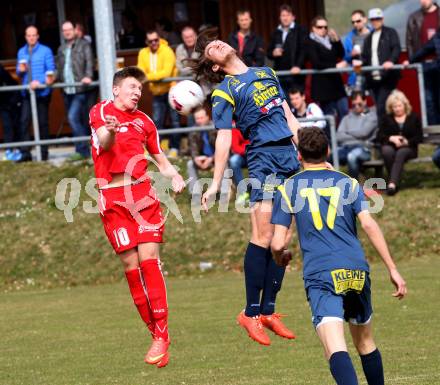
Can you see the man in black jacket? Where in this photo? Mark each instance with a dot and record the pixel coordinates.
(421, 27)
(381, 48)
(249, 46)
(75, 64)
(286, 48)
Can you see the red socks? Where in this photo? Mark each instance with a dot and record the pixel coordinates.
(137, 290)
(157, 296)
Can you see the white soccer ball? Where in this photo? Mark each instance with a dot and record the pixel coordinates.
(185, 96)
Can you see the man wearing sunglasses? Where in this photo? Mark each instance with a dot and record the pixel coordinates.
(158, 61)
(354, 131)
(354, 42)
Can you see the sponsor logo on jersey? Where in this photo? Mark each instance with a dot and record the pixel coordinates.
(263, 93)
(345, 280)
(123, 129)
(234, 82)
(139, 122)
(270, 105)
(146, 229)
(261, 74)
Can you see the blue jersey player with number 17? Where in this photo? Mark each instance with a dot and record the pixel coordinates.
(325, 204)
(253, 98)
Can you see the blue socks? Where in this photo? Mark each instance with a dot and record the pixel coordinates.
(373, 369)
(342, 369)
(272, 284)
(254, 274)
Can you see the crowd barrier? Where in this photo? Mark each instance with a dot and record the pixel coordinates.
(37, 142)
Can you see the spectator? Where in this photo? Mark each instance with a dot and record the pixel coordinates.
(325, 50)
(35, 66)
(237, 161)
(355, 130)
(420, 28)
(381, 48)
(158, 61)
(286, 48)
(248, 45)
(80, 33)
(130, 36)
(10, 104)
(353, 44)
(400, 132)
(75, 64)
(202, 147)
(185, 51)
(436, 157)
(301, 109)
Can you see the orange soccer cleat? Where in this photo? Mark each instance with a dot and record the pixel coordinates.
(273, 322)
(158, 352)
(254, 328)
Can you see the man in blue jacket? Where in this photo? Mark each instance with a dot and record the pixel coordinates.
(353, 44)
(35, 66)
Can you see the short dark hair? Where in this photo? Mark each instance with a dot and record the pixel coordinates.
(287, 8)
(360, 11)
(357, 94)
(296, 90)
(312, 144)
(150, 31)
(316, 19)
(242, 11)
(202, 66)
(128, 72)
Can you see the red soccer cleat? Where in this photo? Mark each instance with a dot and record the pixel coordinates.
(254, 328)
(157, 352)
(273, 322)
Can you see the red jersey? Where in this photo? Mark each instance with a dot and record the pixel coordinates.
(136, 132)
(238, 145)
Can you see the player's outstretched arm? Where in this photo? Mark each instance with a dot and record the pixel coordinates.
(222, 148)
(168, 170)
(291, 121)
(376, 237)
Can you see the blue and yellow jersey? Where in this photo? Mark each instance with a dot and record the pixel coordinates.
(325, 204)
(254, 100)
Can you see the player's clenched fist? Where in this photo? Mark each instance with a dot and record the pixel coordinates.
(283, 258)
(111, 123)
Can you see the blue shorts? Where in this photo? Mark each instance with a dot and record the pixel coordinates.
(343, 294)
(269, 166)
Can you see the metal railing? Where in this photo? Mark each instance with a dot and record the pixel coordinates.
(34, 112)
(37, 142)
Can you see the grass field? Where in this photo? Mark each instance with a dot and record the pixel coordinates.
(66, 316)
(92, 335)
(40, 248)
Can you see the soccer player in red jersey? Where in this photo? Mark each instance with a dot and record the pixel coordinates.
(129, 207)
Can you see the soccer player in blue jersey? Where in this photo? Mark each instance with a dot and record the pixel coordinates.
(253, 98)
(325, 204)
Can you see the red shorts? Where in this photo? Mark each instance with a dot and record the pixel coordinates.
(131, 215)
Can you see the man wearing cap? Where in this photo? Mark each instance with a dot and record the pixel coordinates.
(381, 48)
